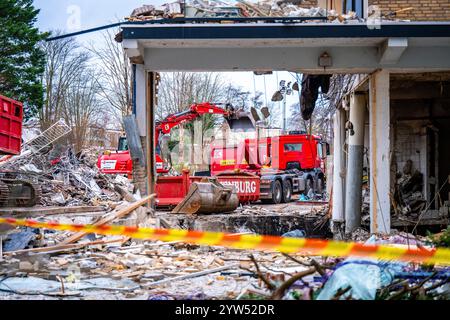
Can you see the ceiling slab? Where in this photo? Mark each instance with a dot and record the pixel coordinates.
(354, 48)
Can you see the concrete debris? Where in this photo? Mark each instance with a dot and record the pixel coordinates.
(150, 12)
(43, 264)
(121, 268)
(236, 9)
(359, 235)
(67, 179)
(409, 197)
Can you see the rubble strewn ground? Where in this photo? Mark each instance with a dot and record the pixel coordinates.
(175, 271)
(36, 266)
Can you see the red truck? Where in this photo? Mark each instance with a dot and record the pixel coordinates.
(286, 164)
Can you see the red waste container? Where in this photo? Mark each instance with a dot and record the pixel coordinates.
(11, 116)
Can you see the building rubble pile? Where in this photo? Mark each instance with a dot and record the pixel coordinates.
(177, 271)
(288, 209)
(234, 9)
(67, 179)
(408, 191)
(408, 200)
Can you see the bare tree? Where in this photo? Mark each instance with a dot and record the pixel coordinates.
(82, 106)
(115, 78)
(65, 62)
(319, 124)
(276, 116)
(178, 91)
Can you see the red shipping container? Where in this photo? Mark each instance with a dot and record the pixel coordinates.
(11, 116)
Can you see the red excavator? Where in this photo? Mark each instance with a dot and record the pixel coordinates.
(119, 162)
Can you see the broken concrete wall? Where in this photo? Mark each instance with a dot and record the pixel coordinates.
(444, 156)
(420, 108)
(410, 144)
(422, 134)
(419, 156)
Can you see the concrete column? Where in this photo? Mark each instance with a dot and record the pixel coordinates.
(150, 131)
(141, 116)
(139, 169)
(379, 127)
(338, 167)
(355, 162)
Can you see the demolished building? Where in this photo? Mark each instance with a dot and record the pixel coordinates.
(401, 147)
(381, 55)
(386, 138)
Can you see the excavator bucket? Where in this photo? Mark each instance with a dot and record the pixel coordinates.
(242, 121)
(208, 197)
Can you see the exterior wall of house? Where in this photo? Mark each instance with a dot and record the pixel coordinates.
(415, 120)
(410, 144)
(422, 10)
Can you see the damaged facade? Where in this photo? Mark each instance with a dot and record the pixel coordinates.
(400, 134)
(372, 56)
(411, 148)
(390, 87)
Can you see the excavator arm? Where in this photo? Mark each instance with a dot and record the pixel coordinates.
(165, 127)
(195, 111)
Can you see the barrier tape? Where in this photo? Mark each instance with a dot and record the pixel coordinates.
(255, 242)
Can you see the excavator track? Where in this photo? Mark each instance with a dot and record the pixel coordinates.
(4, 194)
(19, 193)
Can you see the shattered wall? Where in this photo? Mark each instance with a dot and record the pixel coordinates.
(421, 120)
(444, 151)
(410, 144)
(422, 10)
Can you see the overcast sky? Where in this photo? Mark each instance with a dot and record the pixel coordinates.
(75, 15)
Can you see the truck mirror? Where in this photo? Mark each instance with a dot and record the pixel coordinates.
(328, 149)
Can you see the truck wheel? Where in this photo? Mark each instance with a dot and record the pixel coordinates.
(287, 191)
(277, 192)
(309, 185)
(320, 186)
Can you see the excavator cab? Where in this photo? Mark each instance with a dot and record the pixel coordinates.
(123, 144)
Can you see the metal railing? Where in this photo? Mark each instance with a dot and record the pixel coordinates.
(46, 138)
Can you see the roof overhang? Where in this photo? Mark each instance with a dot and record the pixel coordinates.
(354, 47)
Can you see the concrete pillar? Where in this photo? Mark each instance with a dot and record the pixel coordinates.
(141, 116)
(355, 162)
(338, 215)
(150, 131)
(379, 124)
(140, 90)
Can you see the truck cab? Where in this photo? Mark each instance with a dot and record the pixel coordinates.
(287, 164)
